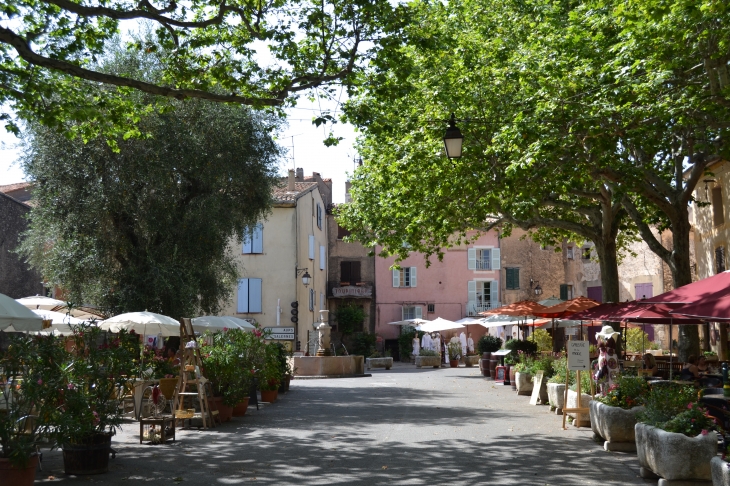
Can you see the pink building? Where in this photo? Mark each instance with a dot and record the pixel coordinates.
(466, 282)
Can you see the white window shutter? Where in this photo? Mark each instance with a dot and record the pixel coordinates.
(242, 295)
(471, 288)
(257, 245)
(322, 256)
(311, 247)
(413, 277)
(419, 312)
(496, 258)
(254, 295)
(396, 278)
(471, 255)
(247, 243)
(494, 293)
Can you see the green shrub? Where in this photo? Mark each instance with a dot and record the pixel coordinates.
(349, 318)
(542, 339)
(454, 350)
(428, 352)
(560, 366)
(363, 344)
(626, 392)
(489, 344)
(672, 407)
(515, 346)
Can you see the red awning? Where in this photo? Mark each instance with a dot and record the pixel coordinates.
(568, 307)
(518, 309)
(634, 311)
(714, 307)
(694, 292)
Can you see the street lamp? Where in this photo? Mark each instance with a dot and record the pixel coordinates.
(453, 139)
(538, 290)
(306, 277)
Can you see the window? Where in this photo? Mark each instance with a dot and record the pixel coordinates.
(322, 257)
(720, 259)
(431, 308)
(718, 214)
(311, 247)
(483, 258)
(586, 253)
(253, 239)
(566, 292)
(350, 272)
(342, 232)
(513, 278)
(319, 216)
(405, 277)
(311, 299)
(569, 253)
(411, 312)
(249, 295)
(483, 295)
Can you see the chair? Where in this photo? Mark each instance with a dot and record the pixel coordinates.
(126, 396)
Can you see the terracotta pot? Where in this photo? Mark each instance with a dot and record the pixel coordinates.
(167, 387)
(269, 395)
(240, 409)
(18, 476)
(225, 412)
(454, 363)
(91, 457)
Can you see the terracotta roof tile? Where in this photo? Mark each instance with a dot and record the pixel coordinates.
(15, 187)
(282, 195)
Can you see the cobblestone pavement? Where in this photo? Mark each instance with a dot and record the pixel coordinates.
(405, 426)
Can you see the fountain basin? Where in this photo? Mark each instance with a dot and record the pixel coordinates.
(334, 366)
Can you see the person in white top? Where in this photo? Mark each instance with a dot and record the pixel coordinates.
(470, 344)
(437, 342)
(426, 341)
(462, 340)
(416, 345)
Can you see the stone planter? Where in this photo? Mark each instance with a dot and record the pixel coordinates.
(556, 397)
(470, 361)
(523, 382)
(434, 361)
(674, 457)
(615, 426)
(585, 418)
(720, 472)
(386, 363)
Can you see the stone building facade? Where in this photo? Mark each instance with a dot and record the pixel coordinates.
(16, 277)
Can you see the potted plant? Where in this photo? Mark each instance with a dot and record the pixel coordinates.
(471, 359)
(614, 416)
(28, 398)
(523, 375)
(89, 384)
(556, 384)
(270, 374)
(544, 364)
(454, 350)
(674, 435)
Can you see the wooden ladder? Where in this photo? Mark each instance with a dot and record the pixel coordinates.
(191, 361)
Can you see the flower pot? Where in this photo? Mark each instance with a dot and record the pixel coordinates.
(454, 363)
(585, 418)
(167, 387)
(513, 377)
(720, 472)
(470, 361)
(90, 457)
(225, 412)
(269, 395)
(674, 456)
(284, 387)
(556, 396)
(523, 383)
(615, 425)
(240, 409)
(386, 363)
(432, 361)
(18, 476)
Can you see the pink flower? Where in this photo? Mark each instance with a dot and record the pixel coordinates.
(689, 406)
(70, 386)
(704, 431)
(96, 417)
(225, 329)
(40, 382)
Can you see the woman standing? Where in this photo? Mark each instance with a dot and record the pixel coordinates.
(416, 345)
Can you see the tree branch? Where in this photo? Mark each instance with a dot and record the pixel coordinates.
(646, 233)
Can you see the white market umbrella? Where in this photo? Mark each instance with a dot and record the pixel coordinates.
(40, 302)
(218, 323)
(143, 323)
(409, 322)
(439, 324)
(499, 320)
(60, 323)
(15, 317)
(468, 321)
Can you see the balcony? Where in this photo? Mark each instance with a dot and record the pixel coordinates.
(485, 264)
(473, 309)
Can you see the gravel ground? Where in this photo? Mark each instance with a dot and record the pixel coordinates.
(404, 426)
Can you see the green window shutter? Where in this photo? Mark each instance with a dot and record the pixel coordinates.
(510, 278)
(564, 292)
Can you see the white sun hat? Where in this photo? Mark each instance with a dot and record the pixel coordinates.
(606, 333)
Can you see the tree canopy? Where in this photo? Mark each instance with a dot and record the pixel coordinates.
(252, 53)
(148, 226)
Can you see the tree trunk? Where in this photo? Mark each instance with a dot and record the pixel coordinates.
(608, 261)
(689, 335)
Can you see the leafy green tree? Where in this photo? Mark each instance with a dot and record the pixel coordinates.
(349, 318)
(252, 53)
(148, 226)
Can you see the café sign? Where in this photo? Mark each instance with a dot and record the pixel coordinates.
(352, 291)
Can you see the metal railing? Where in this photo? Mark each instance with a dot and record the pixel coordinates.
(473, 309)
(485, 264)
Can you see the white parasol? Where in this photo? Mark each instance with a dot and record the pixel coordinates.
(218, 323)
(143, 323)
(15, 317)
(439, 324)
(40, 302)
(409, 322)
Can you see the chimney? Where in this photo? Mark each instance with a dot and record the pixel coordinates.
(290, 186)
(300, 174)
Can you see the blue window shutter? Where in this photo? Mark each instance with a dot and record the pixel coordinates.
(247, 243)
(242, 295)
(257, 245)
(322, 257)
(254, 295)
(311, 247)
